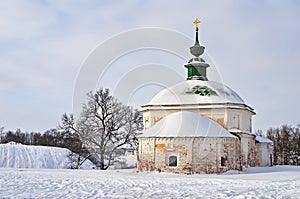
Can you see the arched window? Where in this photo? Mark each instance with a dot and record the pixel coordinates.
(173, 161)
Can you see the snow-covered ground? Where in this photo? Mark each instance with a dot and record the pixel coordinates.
(268, 182)
(36, 172)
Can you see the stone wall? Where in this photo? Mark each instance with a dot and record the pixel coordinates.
(194, 155)
(248, 151)
(264, 154)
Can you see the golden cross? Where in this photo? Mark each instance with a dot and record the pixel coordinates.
(196, 22)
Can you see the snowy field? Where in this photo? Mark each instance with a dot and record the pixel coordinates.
(269, 182)
(37, 172)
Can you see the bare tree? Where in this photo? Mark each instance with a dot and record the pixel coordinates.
(104, 125)
(259, 132)
(286, 140)
(75, 160)
(1, 132)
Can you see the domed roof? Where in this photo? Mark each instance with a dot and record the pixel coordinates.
(186, 124)
(196, 92)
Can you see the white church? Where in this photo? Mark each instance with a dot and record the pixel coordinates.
(199, 126)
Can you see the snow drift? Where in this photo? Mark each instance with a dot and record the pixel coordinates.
(13, 155)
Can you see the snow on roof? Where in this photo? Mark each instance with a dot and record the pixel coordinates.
(241, 131)
(186, 124)
(263, 139)
(126, 146)
(182, 93)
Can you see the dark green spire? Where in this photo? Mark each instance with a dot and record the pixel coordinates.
(196, 66)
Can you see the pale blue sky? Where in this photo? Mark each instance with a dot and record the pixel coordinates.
(254, 45)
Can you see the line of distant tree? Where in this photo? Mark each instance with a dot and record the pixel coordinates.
(286, 144)
(52, 137)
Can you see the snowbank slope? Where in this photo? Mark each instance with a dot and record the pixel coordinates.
(22, 156)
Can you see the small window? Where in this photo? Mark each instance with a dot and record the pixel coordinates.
(223, 161)
(173, 161)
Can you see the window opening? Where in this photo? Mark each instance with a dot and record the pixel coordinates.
(173, 161)
(223, 161)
